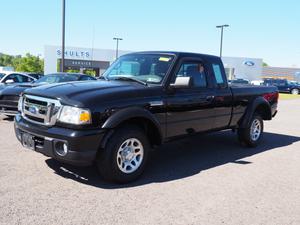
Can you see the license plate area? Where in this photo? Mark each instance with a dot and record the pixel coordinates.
(28, 141)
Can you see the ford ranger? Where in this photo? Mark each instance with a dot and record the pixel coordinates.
(143, 100)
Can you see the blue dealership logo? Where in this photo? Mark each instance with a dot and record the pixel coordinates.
(249, 63)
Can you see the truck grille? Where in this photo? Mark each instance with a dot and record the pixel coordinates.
(9, 97)
(40, 110)
(8, 101)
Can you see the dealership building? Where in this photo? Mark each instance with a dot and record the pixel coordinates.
(80, 59)
(98, 60)
(281, 73)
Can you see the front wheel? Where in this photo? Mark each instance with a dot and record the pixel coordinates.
(295, 91)
(125, 156)
(252, 135)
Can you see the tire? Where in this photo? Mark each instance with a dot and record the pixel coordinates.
(295, 91)
(124, 158)
(252, 135)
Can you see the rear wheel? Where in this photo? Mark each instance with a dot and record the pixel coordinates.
(125, 156)
(251, 135)
(295, 91)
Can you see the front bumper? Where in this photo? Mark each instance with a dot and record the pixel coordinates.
(83, 145)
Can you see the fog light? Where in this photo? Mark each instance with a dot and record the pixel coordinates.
(61, 148)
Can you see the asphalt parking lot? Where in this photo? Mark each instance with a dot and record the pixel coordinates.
(208, 179)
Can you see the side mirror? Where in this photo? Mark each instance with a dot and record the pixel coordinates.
(9, 81)
(182, 82)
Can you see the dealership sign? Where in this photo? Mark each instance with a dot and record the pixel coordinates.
(74, 54)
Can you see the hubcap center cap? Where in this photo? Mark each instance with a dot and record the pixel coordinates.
(128, 154)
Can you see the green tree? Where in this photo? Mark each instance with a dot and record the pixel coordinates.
(28, 63)
(265, 64)
(6, 60)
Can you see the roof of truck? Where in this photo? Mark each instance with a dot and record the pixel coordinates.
(180, 54)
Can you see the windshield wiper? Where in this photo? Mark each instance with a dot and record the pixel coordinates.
(131, 79)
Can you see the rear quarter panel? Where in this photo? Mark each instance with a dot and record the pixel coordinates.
(243, 96)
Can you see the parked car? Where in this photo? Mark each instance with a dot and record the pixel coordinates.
(15, 77)
(283, 85)
(257, 82)
(240, 81)
(143, 100)
(9, 95)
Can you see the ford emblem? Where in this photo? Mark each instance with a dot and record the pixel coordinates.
(33, 109)
(249, 63)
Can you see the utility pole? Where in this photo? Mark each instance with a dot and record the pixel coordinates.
(221, 44)
(63, 36)
(117, 48)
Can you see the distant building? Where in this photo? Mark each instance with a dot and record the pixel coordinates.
(243, 68)
(281, 72)
(98, 60)
(79, 59)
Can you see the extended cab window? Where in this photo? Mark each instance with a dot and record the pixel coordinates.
(218, 75)
(196, 71)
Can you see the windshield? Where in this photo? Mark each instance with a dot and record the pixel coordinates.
(149, 68)
(56, 78)
(1, 75)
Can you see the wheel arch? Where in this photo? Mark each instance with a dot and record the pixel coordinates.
(260, 106)
(295, 88)
(136, 116)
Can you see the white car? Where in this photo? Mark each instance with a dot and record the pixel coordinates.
(257, 82)
(15, 77)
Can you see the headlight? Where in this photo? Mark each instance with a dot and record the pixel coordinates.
(20, 104)
(73, 115)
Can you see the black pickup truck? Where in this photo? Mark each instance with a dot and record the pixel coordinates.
(143, 100)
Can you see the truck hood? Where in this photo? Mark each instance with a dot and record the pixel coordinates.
(85, 93)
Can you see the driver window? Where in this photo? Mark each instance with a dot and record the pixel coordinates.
(11, 77)
(196, 71)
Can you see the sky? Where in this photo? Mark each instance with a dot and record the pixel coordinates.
(260, 29)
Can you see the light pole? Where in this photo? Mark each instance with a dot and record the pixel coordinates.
(117, 49)
(221, 45)
(63, 36)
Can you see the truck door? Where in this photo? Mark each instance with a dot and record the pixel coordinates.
(190, 109)
(282, 85)
(223, 96)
